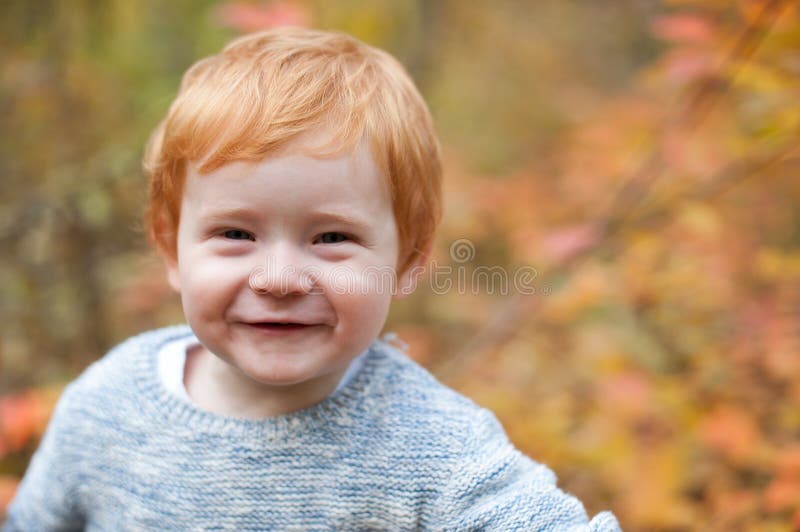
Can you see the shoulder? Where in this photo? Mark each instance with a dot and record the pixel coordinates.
(401, 380)
(107, 403)
(108, 384)
(402, 389)
(485, 482)
(473, 435)
(420, 415)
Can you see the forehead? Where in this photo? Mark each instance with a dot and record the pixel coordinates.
(293, 178)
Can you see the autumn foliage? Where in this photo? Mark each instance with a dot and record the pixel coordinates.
(656, 365)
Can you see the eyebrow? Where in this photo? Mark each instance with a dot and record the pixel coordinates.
(244, 213)
(222, 214)
(336, 217)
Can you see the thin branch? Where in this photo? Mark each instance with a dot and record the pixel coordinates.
(694, 112)
(520, 307)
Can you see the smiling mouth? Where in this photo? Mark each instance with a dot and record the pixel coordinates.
(279, 326)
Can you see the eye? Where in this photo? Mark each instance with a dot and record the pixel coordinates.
(237, 234)
(332, 238)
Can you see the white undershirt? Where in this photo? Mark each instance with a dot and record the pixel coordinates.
(172, 362)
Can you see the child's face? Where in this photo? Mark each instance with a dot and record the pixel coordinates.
(290, 239)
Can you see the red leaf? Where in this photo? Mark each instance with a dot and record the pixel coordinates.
(683, 65)
(630, 393)
(245, 17)
(563, 244)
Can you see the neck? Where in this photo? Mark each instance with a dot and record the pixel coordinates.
(218, 387)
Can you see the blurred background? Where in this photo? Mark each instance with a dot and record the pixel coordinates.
(636, 158)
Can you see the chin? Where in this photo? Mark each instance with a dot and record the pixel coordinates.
(280, 376)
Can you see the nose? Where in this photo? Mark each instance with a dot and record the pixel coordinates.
(283, 273)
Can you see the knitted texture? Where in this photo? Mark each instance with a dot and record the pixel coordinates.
(392, 450)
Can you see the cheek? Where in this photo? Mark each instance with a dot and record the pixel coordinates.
(360, 295)
(363, 280)
(361, 315)
(207, 284)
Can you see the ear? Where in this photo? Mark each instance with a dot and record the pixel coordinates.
(407, 281)
(173, 278)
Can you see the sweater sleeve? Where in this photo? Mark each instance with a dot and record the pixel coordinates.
(492, 486)
(47, 498)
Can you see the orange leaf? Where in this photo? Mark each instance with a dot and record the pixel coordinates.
(23, 417)
(782, 494)
(683, 28)
(731, 431)
(788, 462)
(8, 487)
(16, 423)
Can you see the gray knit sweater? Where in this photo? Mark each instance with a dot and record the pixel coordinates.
(392, 450)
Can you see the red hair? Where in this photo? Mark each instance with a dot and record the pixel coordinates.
(264, 90)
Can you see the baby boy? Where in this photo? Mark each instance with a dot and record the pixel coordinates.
(294, 191)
